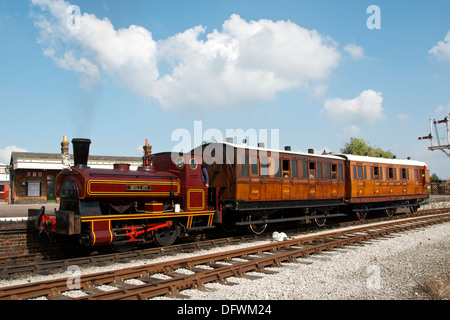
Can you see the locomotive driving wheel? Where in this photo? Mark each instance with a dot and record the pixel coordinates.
(166, 236)
(122, 245)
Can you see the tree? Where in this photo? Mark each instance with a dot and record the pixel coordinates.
(434, 177)
(360, 147)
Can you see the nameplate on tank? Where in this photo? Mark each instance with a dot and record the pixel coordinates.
(138, 187)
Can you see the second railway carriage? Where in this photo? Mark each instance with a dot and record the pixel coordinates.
(376, 184)
(256, 185)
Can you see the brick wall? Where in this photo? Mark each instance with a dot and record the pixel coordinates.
(15, 240)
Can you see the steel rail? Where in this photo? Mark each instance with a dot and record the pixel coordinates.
(35, 263)
(289, 254)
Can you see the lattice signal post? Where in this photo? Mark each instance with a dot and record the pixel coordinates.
(440, 137)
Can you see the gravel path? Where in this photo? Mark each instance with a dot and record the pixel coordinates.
(391, 268)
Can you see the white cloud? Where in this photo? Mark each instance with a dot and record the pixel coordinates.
(442, 49)
(367, 107)
(351, 130)
(402, 117)
(355, 51)
(243, 62)
(5, 154)
(442, 109)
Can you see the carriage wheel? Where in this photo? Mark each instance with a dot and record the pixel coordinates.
(166, 236)
(414, 209)
(361, 215)
(390, 212)
(258, 228)
(320, 222)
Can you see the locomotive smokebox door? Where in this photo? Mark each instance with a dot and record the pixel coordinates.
(67, 223)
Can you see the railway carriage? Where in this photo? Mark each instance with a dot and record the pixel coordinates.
(257, 186)
(385, 184)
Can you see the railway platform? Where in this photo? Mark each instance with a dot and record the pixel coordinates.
(21, 210)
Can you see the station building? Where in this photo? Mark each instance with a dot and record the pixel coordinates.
(32, 175)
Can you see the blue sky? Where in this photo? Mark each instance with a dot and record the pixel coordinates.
(313, 70)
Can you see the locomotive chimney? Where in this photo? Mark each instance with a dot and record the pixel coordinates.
(311, 151)
(81, 152)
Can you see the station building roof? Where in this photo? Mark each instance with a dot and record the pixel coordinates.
(53, 161)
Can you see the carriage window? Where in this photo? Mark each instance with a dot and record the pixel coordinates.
(365, 173)
(254, 166)
(312, 170)
(264, 162)
(390, 171)
(319, 171)
(278, 169)
(333, 171)
(294, 169)
(354, 172)
(328, 171)
(305, 170)
(340, 172)
(359, 172)
(244, 167)
(377, 173)
(286, 169)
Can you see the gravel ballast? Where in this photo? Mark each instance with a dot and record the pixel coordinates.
(390, 268)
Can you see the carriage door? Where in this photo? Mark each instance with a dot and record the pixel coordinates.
(255, 180)
(286, 179)
(312, 173)
(332, 173)
(361, 182)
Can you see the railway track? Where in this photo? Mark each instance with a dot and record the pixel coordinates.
(145, 281)
(37, 264)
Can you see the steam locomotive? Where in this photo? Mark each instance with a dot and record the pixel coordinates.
(222, 184)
